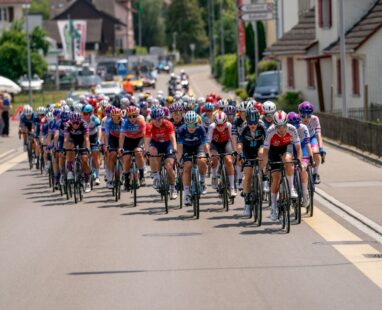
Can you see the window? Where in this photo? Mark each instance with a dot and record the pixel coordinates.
(339, 78)
(310, 73)
(290, 72)
(355, 77)
(325, 13)
(4, 14)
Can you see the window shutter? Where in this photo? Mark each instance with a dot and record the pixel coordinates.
(339, 78)
(320, 16)
(329, 13)
(11, 15)
(290, 72)
(355, 76)
(310, 73)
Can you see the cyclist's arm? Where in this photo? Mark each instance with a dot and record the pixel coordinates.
(87, 141)
(298, 151)
(121, 140)
(173, 141)
(264, 163)
(239, 148)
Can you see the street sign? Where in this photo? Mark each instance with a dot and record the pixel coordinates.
(121, 68)
(260, 7)
(254, 16)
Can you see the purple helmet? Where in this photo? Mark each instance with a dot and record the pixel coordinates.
(166, 112)
(108, 109)
(65, 116)
(230, 110)
(157, 113)
(75, 117)
(294, 119)
(306, 108)
(176, 107)
(56, 112)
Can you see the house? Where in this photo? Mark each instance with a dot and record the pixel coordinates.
(309, 54)
(109, 23)
(11, 10)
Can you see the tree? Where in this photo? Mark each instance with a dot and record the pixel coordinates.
(13, 52)
(185, 18)
(152, 21)
(41, 7)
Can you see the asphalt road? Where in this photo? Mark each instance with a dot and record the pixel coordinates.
(105, 255)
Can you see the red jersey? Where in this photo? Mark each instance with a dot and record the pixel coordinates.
(162, 133)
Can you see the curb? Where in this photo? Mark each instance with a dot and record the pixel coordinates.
(354, 151)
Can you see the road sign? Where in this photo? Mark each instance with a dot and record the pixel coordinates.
(248, 17)
(121, 68)
(260, 7)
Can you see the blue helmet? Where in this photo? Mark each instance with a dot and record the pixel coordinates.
(157, 113)
(56, 112)
(87, 108)
(65, 116)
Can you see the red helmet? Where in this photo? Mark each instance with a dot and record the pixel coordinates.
(132, 110)
(259, 107)
(209, 99)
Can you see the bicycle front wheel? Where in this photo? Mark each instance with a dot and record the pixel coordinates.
(195, 194)
(258, 201)
(134, 183)
(311, 192)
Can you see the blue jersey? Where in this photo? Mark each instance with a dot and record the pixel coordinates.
(27, 122)
(60, 128)
(113, 129)
(189, 139)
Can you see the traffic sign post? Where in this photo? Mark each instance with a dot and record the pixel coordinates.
(255, 16)
(122, 68)
(260, 7)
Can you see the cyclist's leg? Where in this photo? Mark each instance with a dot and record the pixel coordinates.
(228, 161)
(154, 163)
(214, 166)
(86, 169)
(140, 164)
(316, 155)
(95, 155)
(247, 173)
(289, 171)
(69, 158)
(186, 178)
(304, 175)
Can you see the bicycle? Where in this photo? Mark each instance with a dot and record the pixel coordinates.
(163, 186)
(223, 181)
(179, 184)
(256, 193)
(284, 199)
(134, 175)
(117, 177)
(30, 151)
(297, 202)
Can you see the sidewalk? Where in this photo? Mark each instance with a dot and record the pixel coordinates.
(347, 178)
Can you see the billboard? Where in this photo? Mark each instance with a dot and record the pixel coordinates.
(73, 39)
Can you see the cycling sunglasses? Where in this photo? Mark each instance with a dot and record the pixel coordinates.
(86, 113)
(281, 126)
(270, 115)
(177, 113)
(133, 116)
(192, 125)
(306, 115)
(75, 123)
(250, 123)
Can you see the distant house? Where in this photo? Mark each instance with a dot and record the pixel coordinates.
(109, 23)
(309, 53)
(11, 10)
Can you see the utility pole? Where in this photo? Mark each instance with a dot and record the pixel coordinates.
(174, 41)
(256, 44)
(139, 23)
(222, 47)
(277, 37)
(210, 34)
(28, 54)
(213, 32)
(341, 28)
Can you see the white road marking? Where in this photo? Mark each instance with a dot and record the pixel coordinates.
(12, 162)
(7, 153)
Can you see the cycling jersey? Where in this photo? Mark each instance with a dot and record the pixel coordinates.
(162, 133)
(303, 133)
(133, 131)
(27, 122)
(206, 121)
(44, 127)
(93, 124)
(113, 129)
(273, 139)
(103, 123)
(265, 122)
(193, 139)
(77, 135)
(37, 125)
(237, 126)
(216, 136)
(252, 140)
(314, 126)
(177, 125)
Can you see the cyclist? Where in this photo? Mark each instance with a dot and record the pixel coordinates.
(192, 141)
(144, 110)
(278, 137)
(160, 139)
(306, 110)
(37, 129)
(107, 117)
(26, 123)
(131, 139)
(77, 135)
(95, 136)
(303, 132)
(59, 135)
(200, 105)
(113, 131)
(176, 119)
(269, 109)
(220, 140)
(207, 116)
(250, 141)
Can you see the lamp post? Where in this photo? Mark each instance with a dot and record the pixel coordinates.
(343, 57)
(26, 7)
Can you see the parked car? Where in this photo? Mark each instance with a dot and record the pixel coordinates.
(87, 81)
(164, 66)
(109, 89)
(106, 70)
(148, 80)
(267, 85)
(75, 95)
(35, 85)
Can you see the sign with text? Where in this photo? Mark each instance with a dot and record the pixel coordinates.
(254, 16)
(73, 39)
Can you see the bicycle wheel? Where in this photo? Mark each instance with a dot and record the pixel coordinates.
(164, 188)
(30, 154)
(179, 186)
(117, 182)
(311, 190)
(286, 205)
(224, 183)
(42, 163)
(134, 182)
(252, 205)
(298, 202)
(195, 193)
(258, 201)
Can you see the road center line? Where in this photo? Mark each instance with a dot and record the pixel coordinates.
(356, 253)
(7, 153)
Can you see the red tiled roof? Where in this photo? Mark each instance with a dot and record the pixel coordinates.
(298, 40)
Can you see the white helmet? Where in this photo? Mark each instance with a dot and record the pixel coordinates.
(65, 108)
(244, 105)
(78, 107)
(28, 110)
(280, 118)
(62, 102)
(70, 102)
(220, 118)
(50, 116)
(124, 101)
(160, 93)
(201, 100)
(41, 110)
(269, 107)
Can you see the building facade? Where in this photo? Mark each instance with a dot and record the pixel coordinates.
(11, 10)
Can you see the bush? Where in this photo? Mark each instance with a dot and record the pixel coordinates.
(241, 93)
(267, 65)
(140, 50)
(225, 70)
(289, 101)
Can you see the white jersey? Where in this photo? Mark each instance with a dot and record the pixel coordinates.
(273, 139)
(303, 134)
(314, 126)
(103, 123)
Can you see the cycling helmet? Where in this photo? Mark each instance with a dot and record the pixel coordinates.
(65, 108)
(188, 106)
(157, 113)
(143, 105)
(244, 105)
(40, 110)
(220, 118)
(149, 99)
(208, 106)
(280, 118)
(201, 101)
(87, 108)
(230, 110)
(269, 107)
(220, 104)
(124, 101)
(108, 109)
(132, 110)
(306, 108)
(50, 116)
(231, 102)
(70, 102)
(75, 117)
(56, 112)
(156, 102)
(176, 107)
(252, 115)
(192, 100)
(78, 107)
(160, 93)
(115, 112)
(185, 98)
(65, 116)
(170, 99)
(190, 117)
(27, 110)
(63, 102)
(166, 111)
(294, 119)
(57, 105)
(259, 107)
(209, 99)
